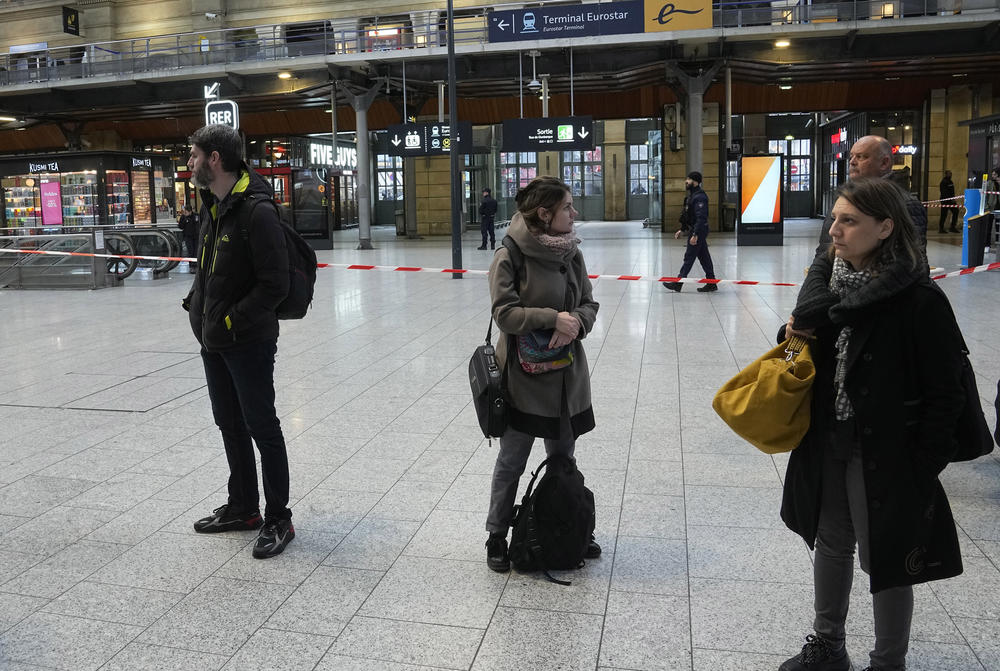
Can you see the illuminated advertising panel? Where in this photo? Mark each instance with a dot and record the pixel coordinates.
(761, 221)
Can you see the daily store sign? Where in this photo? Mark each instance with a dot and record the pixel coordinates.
(218, 111)
(609, 18)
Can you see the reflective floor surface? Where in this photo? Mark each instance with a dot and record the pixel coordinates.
(108, 454)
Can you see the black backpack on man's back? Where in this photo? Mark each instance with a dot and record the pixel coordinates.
(302, 265)
(555, 521)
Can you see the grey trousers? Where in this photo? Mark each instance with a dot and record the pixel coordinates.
(515, 449)
(843, 521)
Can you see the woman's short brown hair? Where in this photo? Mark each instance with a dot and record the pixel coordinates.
(547, 192)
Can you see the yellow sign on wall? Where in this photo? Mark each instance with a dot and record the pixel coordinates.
(663, 15)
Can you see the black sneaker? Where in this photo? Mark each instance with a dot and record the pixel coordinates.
(593, 550)
(222, 520)
(818, 654)
(273, 538)
(707, 288)
(673, 286)
(496, 553)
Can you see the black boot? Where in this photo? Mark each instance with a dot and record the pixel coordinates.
(496, 553)
(818, 654)
(482, 246)
(673, 286)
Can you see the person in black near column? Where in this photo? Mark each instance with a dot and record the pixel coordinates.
(694, 224)
(242, 277)
(487, 211)
(188, 223)
(947, 189)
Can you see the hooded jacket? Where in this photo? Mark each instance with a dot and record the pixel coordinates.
(903, 381)
(549, 283)
(242, 267)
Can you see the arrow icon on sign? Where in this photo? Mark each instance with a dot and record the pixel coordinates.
(583, 133)
(502, 25)
(211, 92)
(395, 140)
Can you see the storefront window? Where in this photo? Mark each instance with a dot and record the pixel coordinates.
(390, 177)
(516, 170)
(798, 162)
(118, 197)
(22, 202)
(79, 198)
(583, 171)
(141, 208)
(638, 170)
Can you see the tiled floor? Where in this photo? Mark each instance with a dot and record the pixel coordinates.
(108, 454)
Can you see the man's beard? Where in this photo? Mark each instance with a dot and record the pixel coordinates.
(201, 178)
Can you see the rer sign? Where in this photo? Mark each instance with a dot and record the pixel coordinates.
(224, 112)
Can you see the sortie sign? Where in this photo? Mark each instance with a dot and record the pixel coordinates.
(572, 133)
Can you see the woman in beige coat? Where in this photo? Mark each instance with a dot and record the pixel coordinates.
(551, 291)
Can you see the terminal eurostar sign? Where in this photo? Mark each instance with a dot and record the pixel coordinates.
(608, 18)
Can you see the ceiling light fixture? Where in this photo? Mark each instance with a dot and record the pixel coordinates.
(784, 87)
(284, 75)
(782, 43)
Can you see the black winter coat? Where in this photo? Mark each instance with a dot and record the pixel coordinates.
(242, 267)
(903, 380)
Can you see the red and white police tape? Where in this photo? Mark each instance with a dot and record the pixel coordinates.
(466, 271)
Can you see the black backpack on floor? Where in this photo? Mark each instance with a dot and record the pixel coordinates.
(555, 521)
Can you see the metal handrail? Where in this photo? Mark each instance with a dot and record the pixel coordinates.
(274, 42)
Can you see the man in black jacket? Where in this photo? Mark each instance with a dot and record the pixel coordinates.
(242, 277)
(487, 210)
(188, 223)
(694, 224)
(947, 189)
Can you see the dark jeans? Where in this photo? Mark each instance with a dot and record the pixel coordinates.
(192, 249)
(486, 228)
(241, 387)
(945, 211)
(700, 252)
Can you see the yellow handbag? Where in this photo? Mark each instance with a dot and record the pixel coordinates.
(768, 402)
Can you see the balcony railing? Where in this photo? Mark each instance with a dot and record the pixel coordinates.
(273, 43)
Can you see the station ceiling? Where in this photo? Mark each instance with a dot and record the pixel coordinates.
(914, 58)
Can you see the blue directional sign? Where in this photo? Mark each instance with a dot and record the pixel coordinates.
(425, 139)
(541, 23)
(571, 133)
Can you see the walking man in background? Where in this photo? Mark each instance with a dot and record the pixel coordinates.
(188, 223)
(694, 224)
(487, 211)
(947, 189)
(242, 277)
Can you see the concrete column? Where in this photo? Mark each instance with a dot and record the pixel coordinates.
(361, 103)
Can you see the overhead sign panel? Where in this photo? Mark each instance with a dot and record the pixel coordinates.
(551, 134)
(539, 23)
(426, 139)
(608, 18)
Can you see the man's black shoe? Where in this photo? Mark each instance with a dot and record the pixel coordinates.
(673, 286)
(954, 230)
(593, 550)
(222, 520)
(706, 288)
(496, 553)
(273, 538)
(481, 247)
(818, 654)
(493, 245)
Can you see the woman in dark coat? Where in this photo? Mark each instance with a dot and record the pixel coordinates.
(886, 399)
(548, 290)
